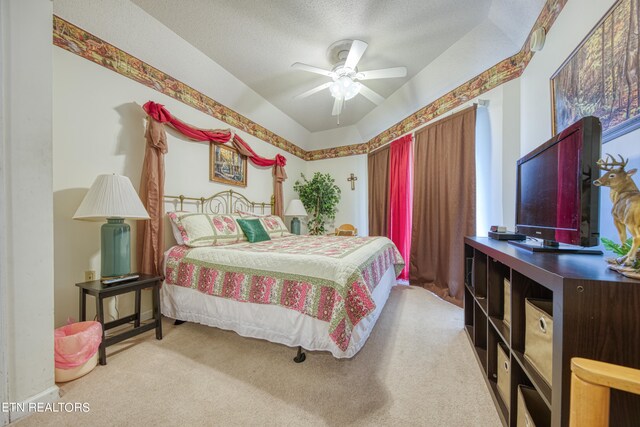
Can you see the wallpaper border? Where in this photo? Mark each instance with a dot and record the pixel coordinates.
(82, 43)
(503, 72)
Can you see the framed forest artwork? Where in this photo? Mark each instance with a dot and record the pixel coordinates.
(226, 165)
(600, 77)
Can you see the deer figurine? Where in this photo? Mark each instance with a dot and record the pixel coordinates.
(626, 203)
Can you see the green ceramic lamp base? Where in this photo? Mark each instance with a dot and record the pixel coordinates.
(116, 248)
(295, 226)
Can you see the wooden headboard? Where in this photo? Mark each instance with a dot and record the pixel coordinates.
(224, 202)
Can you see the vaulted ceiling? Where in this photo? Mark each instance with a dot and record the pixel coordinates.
(257, 41)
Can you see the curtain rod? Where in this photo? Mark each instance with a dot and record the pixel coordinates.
(479, 103)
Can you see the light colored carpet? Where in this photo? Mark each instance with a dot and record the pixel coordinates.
(416, 369)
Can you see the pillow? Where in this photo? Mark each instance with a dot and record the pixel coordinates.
(254, 230)
(274, 226)
(176, 233)
(200, 229)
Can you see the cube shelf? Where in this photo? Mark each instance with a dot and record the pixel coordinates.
(595, 315)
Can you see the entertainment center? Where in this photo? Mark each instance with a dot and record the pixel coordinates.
(596, 315)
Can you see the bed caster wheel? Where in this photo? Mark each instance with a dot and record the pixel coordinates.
(300, 357)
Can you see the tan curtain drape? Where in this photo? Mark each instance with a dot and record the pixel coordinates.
(150, 232)
(378, 170)
(444, 203)
(279, 176)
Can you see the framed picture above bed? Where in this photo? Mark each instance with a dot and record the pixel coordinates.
(226, 165)
(600, 77)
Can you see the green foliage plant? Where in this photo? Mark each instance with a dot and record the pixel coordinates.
(320, 197)
(618, 249)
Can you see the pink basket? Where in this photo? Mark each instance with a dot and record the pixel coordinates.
(76, 343)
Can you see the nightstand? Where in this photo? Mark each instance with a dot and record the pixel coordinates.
(100, 292)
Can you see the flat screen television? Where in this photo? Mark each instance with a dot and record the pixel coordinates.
(556, 201)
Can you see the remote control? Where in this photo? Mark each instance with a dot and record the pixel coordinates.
(120, 279)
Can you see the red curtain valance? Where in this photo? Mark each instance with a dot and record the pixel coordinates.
(150, 232)
(162, 115)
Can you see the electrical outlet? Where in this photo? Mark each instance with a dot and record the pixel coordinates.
(89, 275)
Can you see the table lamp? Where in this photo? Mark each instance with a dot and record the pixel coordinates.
(112, 197)
(295, 209)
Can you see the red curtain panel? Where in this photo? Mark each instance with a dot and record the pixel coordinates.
(401, 197)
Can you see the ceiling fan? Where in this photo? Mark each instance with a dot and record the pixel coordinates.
(345, 54)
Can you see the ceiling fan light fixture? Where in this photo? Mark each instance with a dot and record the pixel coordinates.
(345, 55)
(353, 90)
(344, 87)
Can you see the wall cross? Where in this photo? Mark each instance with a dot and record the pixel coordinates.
(352, 179)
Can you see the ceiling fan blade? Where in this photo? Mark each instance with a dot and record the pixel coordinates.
(371, 95)
(312, 91)
(337, 106)
(355, 53)
(384, 73)
(312, 69)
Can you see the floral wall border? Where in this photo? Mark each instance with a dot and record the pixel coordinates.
(82, 43)
(503, 72)
(342, 151)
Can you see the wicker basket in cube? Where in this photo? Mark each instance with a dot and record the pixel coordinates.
(538, 336)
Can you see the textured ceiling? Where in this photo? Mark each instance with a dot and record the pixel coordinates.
(257, 41)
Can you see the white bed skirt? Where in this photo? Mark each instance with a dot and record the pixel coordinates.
(272, 323)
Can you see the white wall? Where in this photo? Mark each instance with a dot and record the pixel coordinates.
(130, 28)
(341, 135)
(497, 150)
(488, 157)
(353, 205)
(99, 128)
(26, 240)
(574, 23)
(510, 150)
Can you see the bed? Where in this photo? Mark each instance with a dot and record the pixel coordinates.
(321, 293)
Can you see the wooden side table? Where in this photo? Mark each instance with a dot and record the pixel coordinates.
(100, 292)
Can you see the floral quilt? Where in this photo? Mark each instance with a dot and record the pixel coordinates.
(328, 278)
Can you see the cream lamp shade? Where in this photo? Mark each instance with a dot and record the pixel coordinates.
(295, 208)
(111, 196)
(114, 198)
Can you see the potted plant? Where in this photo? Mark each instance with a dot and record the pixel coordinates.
(320, 197)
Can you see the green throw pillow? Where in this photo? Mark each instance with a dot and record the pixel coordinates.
(254, 231)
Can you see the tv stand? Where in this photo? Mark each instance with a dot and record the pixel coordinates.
(555, 247)
(596, 313)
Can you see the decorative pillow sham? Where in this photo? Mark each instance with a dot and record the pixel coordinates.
(274, 226)
(200, 229)
(254, 230)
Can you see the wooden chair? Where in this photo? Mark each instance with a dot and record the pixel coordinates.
(591, 384)
(346, 230)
